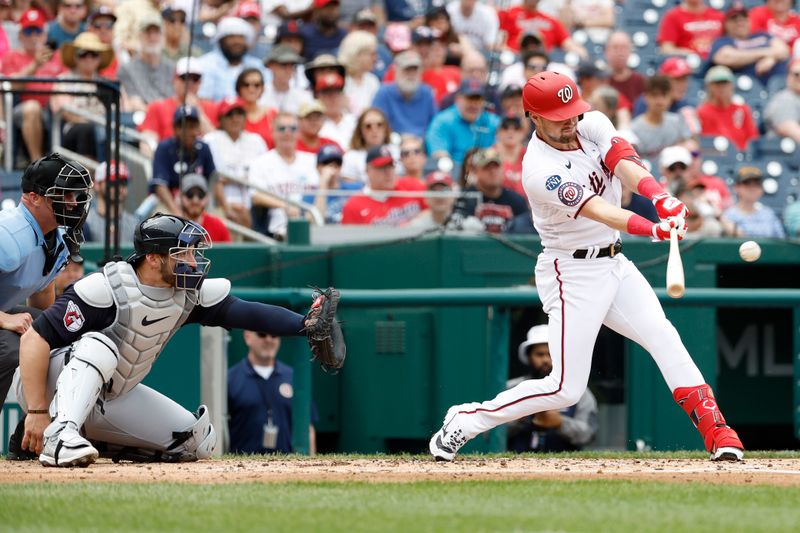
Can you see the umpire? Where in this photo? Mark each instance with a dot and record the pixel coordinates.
(54, 203)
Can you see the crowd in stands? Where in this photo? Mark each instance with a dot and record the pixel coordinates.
(339, 103)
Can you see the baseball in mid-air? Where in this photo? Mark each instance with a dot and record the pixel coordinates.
(750, 251)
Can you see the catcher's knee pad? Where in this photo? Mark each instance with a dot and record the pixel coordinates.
(197, 441)
(97, 351)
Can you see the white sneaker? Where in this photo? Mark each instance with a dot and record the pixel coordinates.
(728, 453)
(67, 448)
(446, 442)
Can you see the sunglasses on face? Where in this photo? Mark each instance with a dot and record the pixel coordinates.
(253, 84)
(176, 20)
(32, 31)
(374, 125)
(535, 66)
(195, 78)
(107, 25)
(411, 151)
(511, 126)
(87, 53)
(284, 129)
(192, 194)
(677, 166)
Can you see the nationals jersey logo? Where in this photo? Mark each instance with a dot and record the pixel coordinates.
(570, 193)
(552, 182)
(73, 318)
(565, 94)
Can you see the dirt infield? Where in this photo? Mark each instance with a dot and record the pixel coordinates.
(783, 472)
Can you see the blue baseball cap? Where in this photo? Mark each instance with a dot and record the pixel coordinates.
(472, 88)
(328, 153)
(187, 112)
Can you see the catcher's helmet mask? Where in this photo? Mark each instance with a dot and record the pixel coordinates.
(66, 183)
(183, 240)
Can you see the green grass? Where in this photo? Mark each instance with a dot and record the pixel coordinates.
(596, 506)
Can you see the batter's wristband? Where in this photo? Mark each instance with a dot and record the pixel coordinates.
(638, 225)
(649, 187)
(38, 412)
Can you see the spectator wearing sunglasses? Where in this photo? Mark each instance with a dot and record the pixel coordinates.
(531, 62)
(147, 77)
(94, 230)
(511, 149)
(176, 34)
(33, 59)
(412, 156)
(371, 130)
(68, 22)
(101, 22)
(194, 202)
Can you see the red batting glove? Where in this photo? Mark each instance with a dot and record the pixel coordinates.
(661, 229)
(669, 206)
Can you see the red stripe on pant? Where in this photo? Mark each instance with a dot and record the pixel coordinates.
(561, 381)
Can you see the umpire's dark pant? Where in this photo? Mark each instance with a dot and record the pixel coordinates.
(9, 352)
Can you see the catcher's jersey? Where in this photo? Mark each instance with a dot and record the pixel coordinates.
(558, 183)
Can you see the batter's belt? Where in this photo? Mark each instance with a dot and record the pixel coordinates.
(607, 251)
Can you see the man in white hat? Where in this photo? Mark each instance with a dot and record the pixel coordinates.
(549, 431)
(222, 65)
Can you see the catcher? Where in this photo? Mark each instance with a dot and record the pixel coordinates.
(83, 360)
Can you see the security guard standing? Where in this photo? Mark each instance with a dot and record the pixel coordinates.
(36, 240)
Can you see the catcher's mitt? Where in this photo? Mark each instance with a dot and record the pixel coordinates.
(322, 329)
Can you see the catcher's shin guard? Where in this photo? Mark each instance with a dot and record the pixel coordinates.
(720, 439)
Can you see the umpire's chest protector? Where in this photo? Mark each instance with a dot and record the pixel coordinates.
(146, 319)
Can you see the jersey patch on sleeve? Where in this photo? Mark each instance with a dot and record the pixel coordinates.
(552, 182)
(73, 317)
(570, 193)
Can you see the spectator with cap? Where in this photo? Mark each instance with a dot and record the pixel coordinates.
(407, 102)
(289, 35)
(412, 156)
(222, 65)
(285, 172)
(233, 149)
(157, 123)
(322, 64)
(34, 58)
(782, 114)
(371, 129)
(356, 11)
(499, 204)
(475, 20)
(720, 115)
(357, 54)
(440, 207)
(463, 126)
(531, 62)
(101, 22)
(68, 23)
(755, 54)
(621, 77)
(148, 76)
(379, 210)
(279, 93)
(329, 168)
(568, 429)
(680, 167)
(194, 205)
(105, 177)
(689, 28)
(473, 67)
(310, 119)
(750, 217)
(323, 35)
(183, 153)
(511, 150)
(174, 14)
(258, 117)
(84, 57)
(777, 18)
(339, 122)
(657, 128)
(260, 392)
(517, 19)
(511, 106)
(250, 12)
(678, 71)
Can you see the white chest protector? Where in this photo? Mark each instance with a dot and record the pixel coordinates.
(146, 317)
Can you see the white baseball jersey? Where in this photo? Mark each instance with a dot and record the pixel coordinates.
(558, 184)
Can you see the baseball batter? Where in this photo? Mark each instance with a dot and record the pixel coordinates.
(83, 359)
(573, 171)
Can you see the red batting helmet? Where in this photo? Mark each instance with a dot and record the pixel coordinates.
(553, 96)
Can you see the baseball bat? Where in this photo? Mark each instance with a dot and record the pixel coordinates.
(675, 281)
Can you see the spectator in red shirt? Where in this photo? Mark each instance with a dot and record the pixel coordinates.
(776, 18)
(250, 88)
(627, 81)
(689, 28)
(35, 58)
(157, 123)
(310, 119)
(194, 201)
(521, 19)
(719, 115)
(510, 148)
(387, 210)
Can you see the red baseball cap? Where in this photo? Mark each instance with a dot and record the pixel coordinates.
(379, 156)
(329, 80)
(675, 67)
(248, 10)
(228, 105)
(101, 172)
(322, 3)
(438, 178)
(553, 96)
(32, 18)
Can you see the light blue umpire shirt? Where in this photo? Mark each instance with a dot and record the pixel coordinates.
(22, 257)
